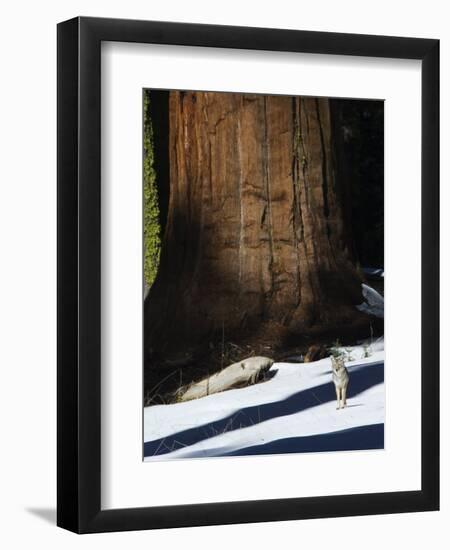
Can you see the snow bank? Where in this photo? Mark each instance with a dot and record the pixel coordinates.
(294, 411)
(373, 302)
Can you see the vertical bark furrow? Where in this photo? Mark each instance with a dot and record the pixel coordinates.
(241, 206)
(266, 176)
(325, 178)
(296, 211)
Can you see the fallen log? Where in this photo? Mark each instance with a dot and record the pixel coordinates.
(238, 375)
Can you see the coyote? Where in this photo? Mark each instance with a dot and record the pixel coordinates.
(340, 379)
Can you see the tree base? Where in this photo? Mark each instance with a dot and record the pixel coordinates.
(165, 373)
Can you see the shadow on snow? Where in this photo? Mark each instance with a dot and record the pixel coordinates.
(351, 439)
(362, 378)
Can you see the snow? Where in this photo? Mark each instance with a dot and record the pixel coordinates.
(374, 272)
(373, 302)
(293, 411)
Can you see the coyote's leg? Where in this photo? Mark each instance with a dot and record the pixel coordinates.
(338, 398)
(344, 395)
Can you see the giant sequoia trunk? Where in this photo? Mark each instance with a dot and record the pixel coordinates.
(254, 243)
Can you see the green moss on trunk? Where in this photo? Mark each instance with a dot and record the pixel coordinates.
(152, 227)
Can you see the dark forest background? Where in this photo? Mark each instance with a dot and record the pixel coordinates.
(359, 128)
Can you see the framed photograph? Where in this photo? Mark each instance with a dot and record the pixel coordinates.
(248, 288)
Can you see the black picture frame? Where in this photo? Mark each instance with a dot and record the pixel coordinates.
(79, 281)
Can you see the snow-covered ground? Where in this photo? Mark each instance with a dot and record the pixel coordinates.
(294, 411)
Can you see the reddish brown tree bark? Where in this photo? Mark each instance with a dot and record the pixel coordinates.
(253, 244)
